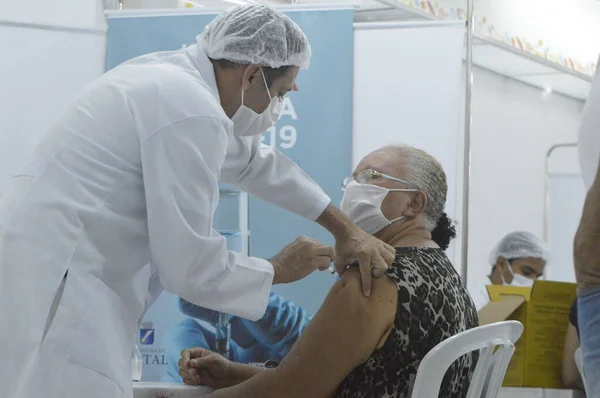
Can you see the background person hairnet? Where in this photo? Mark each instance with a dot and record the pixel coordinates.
(518, 259)
(519, 244)
(256, 35)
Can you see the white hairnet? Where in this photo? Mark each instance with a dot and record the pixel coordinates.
(519, 245)
(256, 34)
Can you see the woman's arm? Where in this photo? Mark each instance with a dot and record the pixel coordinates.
(342, 335)
(570, 373)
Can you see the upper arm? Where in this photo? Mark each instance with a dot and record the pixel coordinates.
(180, 166)
(570, 372)
(342, 335)
(266, 173)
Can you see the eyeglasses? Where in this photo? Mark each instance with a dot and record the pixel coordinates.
(367, 176)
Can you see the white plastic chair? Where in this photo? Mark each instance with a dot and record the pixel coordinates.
(491, 366)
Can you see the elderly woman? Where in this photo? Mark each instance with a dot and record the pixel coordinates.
(517, 260)
(359, 346)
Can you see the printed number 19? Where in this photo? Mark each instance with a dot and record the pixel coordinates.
(287, 136)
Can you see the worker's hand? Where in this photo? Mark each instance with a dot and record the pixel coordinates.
(300, 258)
(372, 255)
(198, 366)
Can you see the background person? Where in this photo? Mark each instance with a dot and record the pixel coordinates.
(398, 194)
(517, 260)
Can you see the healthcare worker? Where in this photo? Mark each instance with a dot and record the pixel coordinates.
(517, 260)
(129, 175)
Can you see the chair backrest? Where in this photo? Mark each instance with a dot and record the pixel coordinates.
(579, 363)
(496, 345)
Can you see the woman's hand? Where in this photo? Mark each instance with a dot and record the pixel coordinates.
(198, 366)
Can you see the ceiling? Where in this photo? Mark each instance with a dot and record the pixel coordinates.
(489, 54)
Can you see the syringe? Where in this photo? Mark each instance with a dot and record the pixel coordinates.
(333, 272)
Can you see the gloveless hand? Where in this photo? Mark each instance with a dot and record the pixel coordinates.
(198, 366)
(373, 255)
(300, 258)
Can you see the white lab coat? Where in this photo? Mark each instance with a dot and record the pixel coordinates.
(481, 297)
(128, 175)
(589, 134)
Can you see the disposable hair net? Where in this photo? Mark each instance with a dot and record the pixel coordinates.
(519, 245)
(256, 34)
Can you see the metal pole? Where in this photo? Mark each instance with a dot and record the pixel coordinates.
(467, 142)
(547, 184)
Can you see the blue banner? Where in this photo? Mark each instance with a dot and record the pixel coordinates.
(315, 131)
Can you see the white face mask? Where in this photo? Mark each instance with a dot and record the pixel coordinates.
(361, 203)
(246, 122)
(518, 279)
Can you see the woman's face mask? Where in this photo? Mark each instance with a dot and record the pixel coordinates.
(361, 203)
(246, 122)
(517, 279)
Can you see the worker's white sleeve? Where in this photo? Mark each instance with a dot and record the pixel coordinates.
(273, 177)
(180, 165)
(589, 134)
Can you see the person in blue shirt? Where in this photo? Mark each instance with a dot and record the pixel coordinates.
(270, 338)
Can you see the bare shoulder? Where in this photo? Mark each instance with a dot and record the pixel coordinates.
(343, 334)
(383, 287)
(381, 304)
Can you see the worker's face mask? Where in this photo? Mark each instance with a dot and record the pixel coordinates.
(246, 122)
(517, 279)
(361, 203)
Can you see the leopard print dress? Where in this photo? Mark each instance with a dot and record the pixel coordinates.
(433, 304)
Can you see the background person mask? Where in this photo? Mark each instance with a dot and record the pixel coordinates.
(129, 175)
(517, 260)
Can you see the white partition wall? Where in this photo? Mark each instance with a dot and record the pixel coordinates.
(43, 67)
(81, 14)
(514, 126)
(407, 89)
(565, 198)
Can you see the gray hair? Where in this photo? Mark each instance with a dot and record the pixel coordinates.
(426, 174)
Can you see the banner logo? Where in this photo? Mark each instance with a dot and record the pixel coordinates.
(147, 334)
